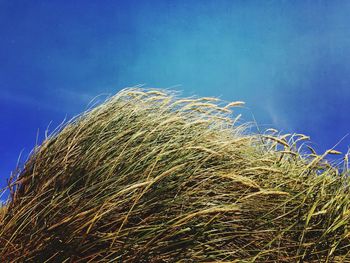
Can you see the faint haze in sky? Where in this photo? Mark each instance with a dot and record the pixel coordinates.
(288, 60)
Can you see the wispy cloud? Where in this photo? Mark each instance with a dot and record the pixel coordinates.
(29, 101)
(279, 120)
(65, 100)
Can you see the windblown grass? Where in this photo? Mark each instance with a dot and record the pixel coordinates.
(148, 177)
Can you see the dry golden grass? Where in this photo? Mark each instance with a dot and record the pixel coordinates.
(2, 211)
(147, 177)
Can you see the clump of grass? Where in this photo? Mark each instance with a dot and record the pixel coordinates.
(148, 177)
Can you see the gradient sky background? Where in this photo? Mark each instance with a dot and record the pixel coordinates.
(289, 60)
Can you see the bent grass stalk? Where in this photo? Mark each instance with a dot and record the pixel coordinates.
(149, 177)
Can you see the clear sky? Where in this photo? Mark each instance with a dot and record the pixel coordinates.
(289, 60)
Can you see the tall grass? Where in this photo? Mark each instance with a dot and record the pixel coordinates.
(149, 177)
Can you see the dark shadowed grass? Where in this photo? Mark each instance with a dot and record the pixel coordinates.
(149, 177)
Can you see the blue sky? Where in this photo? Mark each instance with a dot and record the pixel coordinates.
(288, 60)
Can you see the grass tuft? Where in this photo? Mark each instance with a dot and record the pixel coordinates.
(149, 177)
